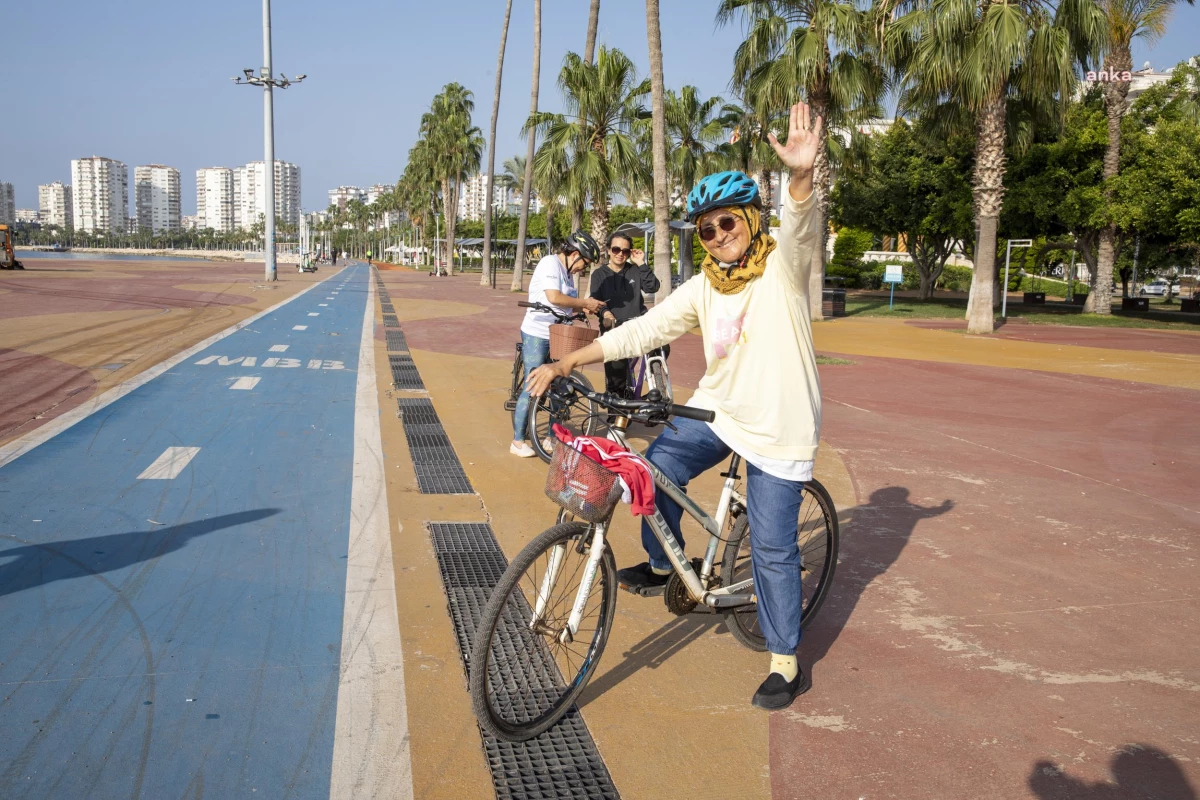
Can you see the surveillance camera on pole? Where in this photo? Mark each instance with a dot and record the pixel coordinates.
(268, 82)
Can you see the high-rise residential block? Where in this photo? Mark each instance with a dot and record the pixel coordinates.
(250, 199)
(100, 189)
(8, 205)
(473, 198)
(54, 204)
(29, 216)
(215, 198)
(344, 194)
(156, 198)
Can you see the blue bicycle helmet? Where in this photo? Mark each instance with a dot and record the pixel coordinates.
(722, 189)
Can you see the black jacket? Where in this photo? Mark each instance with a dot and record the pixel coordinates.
(622, 291)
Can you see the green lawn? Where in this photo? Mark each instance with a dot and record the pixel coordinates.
(1054, 314)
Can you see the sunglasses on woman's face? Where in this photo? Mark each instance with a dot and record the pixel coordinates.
(726, 223)
(622, 251)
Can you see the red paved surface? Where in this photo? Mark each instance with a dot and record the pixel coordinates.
(33, 293)
(1015, 611)
(1114, 338)
(36, 386)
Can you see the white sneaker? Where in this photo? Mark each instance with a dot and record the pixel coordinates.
(548, 444)
(521, 449)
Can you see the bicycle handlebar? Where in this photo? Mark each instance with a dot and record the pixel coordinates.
(558, 315)
(652, 411)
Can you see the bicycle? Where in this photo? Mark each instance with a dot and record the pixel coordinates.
(541, 635)
(647, 372)
(548, 410)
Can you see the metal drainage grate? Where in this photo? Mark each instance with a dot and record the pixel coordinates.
(395, 340)
(563, 761)
(404, 374)
(387, 307)
(390, 321)
(437, 466)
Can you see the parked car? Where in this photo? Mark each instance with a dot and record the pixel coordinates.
(1154, 289)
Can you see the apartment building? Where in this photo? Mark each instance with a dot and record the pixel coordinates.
(250, 199)
(54, 204)
(471, 204)
(344, 194)
(215, 199)
(156, 198)
(8, 205)
(100, 193)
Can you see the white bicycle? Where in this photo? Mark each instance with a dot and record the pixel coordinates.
(542, 632)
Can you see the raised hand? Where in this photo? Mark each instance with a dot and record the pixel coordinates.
(804, 139)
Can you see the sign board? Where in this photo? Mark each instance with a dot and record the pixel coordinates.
(893, 273)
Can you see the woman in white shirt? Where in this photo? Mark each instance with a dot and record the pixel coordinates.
(750, 302)
(552, 284)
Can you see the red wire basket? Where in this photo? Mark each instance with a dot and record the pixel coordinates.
(581, 485)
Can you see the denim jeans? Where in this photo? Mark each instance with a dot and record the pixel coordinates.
(534, 352)
(773, 508)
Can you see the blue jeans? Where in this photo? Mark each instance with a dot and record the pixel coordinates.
(773, 508)
(534, 352)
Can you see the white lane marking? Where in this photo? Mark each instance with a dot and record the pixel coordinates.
(19, 447)
(245, 383)
(169, 464)
(314, 363)
(299, 327)
(371, 755)
(314, 313)
(279, 348)
(323, 305)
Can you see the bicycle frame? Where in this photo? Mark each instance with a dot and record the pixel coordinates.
(725, 597)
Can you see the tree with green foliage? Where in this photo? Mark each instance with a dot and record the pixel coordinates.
(915, 185)
(996, 67)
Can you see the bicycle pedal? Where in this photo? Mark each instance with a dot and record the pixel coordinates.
(510, 405)
(644, 591)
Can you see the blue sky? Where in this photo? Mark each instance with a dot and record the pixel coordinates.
(149, 82)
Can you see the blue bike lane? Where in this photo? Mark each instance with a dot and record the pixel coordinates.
(173, 572)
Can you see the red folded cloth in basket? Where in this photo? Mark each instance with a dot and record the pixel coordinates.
(637, 482)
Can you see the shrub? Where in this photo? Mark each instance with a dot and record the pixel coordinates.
(850, 245)
(956, 279)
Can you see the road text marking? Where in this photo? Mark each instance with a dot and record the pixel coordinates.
(245, 383)
(299, 327)
(279, 348)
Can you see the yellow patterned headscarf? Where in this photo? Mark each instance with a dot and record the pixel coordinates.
(753, 263)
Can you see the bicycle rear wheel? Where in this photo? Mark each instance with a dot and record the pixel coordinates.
(817, 538)
(579, 417)
(523, 677)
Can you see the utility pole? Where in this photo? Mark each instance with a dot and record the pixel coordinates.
(266, 79)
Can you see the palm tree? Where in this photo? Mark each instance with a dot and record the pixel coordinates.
(527, 184)
(457, 149)
(747, 149)
(819, 51)
(694, 128)
(989, 62)
(602, 103)
(589, 48)
(485, 276)
(1124, 20)
(658, 146)
(513, 177)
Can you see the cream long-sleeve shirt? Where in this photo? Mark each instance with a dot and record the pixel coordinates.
(761, 379)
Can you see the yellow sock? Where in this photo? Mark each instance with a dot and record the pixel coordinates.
(785, 665)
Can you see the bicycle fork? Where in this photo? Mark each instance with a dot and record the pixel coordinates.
(567, 634)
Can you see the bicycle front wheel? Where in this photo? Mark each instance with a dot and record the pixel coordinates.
(817, 538)
(526, 669)
(579, 417)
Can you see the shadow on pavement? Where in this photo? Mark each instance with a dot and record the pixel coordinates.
(1140, 772)
(870, 544)
(653, 651)
(33, 564)
(880, 530)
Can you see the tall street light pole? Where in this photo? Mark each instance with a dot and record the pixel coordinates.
(266, 79)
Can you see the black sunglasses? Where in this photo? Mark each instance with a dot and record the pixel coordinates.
(625, 251)
(726, 224)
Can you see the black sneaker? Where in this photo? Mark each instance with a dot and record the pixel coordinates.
(777, 692)
(641, 577)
